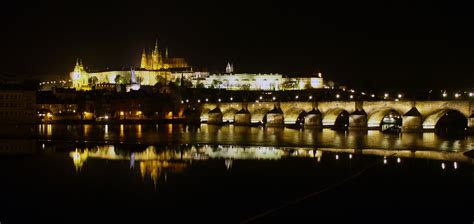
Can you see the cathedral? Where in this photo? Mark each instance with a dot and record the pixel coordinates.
(156, 61)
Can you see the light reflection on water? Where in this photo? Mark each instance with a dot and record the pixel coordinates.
(238, 135)
(193, 177)
(156, 162)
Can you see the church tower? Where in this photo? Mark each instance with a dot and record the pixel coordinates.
(229, 68)
(156, 58)
(143, 63)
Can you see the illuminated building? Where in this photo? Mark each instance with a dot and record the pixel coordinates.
(253, 81)
(156, 61)
(154, 67)
(157, 67)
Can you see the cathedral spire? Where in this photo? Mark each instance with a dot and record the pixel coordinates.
(143, 62)
(156, 45)
(229, 68)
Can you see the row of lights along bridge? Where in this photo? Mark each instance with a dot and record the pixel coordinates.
(271, 97)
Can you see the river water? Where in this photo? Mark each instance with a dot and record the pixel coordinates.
(230, 174)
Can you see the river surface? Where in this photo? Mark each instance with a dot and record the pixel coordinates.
(228, 174)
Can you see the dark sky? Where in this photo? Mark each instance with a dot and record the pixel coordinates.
(363, 45)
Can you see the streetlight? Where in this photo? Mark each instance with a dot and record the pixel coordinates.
(219, 100)
(351, 96)
(296, 97)
(337, 96)
(399, 95)
(310, 97)
(373, 95)
(445, 94)
(457, 95)
(231, 99)
(199, 101)
(274, 98)
(385, 95)
(207, 99)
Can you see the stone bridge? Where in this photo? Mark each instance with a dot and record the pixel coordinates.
(412, 115)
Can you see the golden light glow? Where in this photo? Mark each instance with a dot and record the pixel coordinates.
(139, 131)
(79, 158)
(156, 168)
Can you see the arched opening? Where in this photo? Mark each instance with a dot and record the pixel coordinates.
(204, 115)
(342, 121)
(300, 119)
(391, 122)
(451, 123)
(258, 116)
(293, 115)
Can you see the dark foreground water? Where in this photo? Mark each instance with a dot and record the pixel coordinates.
(210, 174)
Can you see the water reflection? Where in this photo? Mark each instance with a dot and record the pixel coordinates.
(239, 135)
(157, 168)
(157, 161)
(233, 152)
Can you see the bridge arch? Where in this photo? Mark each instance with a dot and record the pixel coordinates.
(292, 115)
(336, 116)
(445, 120)
(377, 117)
(258, 115)
(204, 115)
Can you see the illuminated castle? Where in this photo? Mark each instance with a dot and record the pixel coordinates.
(154, 67)
(158, 67)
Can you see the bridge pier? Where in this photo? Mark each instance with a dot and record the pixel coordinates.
(215, 116)
(470, 124)
(242, 117)
(313, 119)
(412, 121)
(358, 120)
(275, 117)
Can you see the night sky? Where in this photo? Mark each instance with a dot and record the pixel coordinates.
(362, 45)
